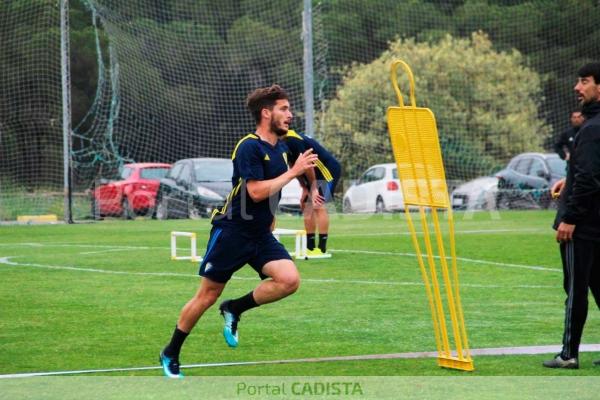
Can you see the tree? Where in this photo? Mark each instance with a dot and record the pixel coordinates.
(486, 105)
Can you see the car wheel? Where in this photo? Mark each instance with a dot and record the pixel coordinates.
(193, 212)
(379, 205)
(127, 212)
(161, 209)
(503, 201)
(525, 201)
(346, 206)
(545, 200)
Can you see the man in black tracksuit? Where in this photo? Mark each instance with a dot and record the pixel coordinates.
(564, 145)
(577, 221)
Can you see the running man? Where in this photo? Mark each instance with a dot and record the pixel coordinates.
(241, 232)
(318, 186)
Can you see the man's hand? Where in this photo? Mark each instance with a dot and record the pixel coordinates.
(564, 233)
(304, 162)
(315, 196)
(557, 188)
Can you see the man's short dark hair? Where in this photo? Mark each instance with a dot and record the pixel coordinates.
(264, 98)
(591, 69)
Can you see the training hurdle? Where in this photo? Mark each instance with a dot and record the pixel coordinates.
(300, 250)
(193, 255)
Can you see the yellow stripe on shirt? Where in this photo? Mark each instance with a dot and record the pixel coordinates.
(326, 174)
(293, 134)
(230, 197)
(248, 136)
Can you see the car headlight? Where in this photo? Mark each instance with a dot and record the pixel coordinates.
(209, 194)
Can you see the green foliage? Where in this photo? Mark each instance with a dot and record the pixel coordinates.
(190, 64)
(486, 105)
(180, 67)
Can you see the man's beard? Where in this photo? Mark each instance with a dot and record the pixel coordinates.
(278, 131)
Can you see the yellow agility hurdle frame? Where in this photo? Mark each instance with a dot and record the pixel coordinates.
(415, 143)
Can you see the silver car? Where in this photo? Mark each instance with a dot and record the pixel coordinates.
(478, 194)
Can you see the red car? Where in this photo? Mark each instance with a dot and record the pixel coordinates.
(133, 194)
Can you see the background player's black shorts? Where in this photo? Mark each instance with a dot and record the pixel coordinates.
(229, 249)
(326, 189)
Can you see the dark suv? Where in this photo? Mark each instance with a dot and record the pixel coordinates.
(526, 181)
(194, 187)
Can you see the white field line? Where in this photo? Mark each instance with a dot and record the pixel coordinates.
(81, 245)
(497, 351)
(374, 252)
(104, 251)
(465, 232)
(341, 234)
(8, 261)
(468, 260)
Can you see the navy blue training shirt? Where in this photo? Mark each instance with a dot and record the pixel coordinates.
(327, 167)
(253, 159)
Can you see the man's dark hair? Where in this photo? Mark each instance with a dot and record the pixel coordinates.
(591, 69)
(264, 98)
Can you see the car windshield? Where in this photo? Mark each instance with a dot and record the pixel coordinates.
(213, 170)
(125, 172)
(557, 166)
(153, 173)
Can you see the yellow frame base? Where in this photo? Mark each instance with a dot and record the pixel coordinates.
(456, 363)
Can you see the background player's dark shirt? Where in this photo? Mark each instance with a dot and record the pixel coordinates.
(253, 159)
(328, 168)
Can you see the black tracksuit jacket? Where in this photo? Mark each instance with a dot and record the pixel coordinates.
(565, 140)
(579, 203)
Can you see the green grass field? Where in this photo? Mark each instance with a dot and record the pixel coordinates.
(106, 295)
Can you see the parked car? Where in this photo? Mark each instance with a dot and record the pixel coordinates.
(194, 187)
(478, 194)
(134, 193)
(377, 190)
(290, 197)
(527, 179)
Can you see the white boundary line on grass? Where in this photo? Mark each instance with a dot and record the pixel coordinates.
(494, 351)
(104, 251)
(374, 252)
(470, 260)
(465, 232)
(9, 262)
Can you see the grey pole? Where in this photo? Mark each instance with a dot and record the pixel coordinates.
(309, 116)
(66, 109)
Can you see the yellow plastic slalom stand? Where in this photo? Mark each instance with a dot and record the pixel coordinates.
(414, 136)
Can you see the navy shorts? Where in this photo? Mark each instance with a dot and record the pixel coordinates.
(228, 250)
(326, 189)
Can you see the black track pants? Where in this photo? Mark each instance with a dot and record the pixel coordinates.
(581, 266)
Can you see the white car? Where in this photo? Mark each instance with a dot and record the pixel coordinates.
(478, 194)
(377, 190)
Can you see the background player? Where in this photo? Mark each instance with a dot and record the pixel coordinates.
(318, 186)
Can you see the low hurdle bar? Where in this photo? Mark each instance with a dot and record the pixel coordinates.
(300, 250)
(193, 255)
